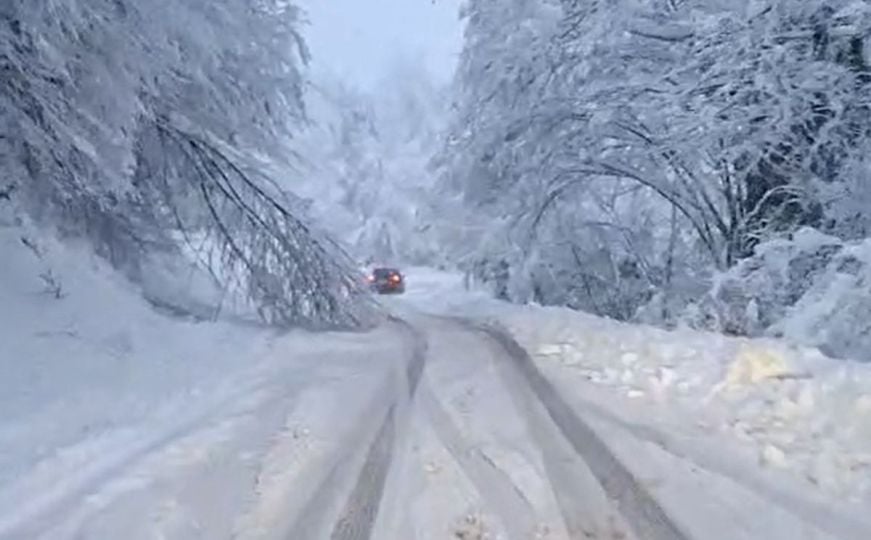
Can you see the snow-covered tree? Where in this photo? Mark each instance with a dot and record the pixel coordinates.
(139, 123)
(368, 153)
(631, 143)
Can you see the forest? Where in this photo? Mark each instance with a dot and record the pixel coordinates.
(696, 163)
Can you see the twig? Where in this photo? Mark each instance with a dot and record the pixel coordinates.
(32, 246)
(6, 192)
(53, 285)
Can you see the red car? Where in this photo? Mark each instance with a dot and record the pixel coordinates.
(386, 281)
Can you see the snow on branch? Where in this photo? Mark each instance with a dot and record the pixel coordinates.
(86, 87)
(291, 274)
(698, 129)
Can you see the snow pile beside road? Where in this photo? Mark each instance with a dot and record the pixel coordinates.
(118, 418)
(86, 364)
(802, 411)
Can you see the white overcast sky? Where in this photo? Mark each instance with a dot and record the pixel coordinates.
(358, 40)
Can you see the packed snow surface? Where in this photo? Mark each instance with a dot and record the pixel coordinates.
(121, 421)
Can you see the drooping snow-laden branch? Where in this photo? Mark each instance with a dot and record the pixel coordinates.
(85, 86)
(290, 273)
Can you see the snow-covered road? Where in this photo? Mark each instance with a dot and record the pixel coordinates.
(423, 430)
(434, 429)
(120, 423)
(361, 446)
(480, 458)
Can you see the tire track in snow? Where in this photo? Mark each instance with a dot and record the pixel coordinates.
(478, 454)
(586, 510)
(506, 500)
(419, 348)
(643, 513)
(358, 516)
(318, 513)
(838, 525)
(122, 453)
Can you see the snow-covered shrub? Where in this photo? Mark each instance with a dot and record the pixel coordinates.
(835, 313)
(812, 288)
(755, 293)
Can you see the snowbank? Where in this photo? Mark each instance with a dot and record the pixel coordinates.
(801, 411)
(784, 409)
(86, 363)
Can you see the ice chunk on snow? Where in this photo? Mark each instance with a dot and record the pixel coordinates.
(754, 364)
(629, 358)
(773, 456)
(471, 528)
(550, 349)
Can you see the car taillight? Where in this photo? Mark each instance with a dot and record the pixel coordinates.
(370, 279)
(395, 278)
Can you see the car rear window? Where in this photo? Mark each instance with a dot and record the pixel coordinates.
(381, 273)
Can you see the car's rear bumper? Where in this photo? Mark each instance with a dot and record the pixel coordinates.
(389, 289)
